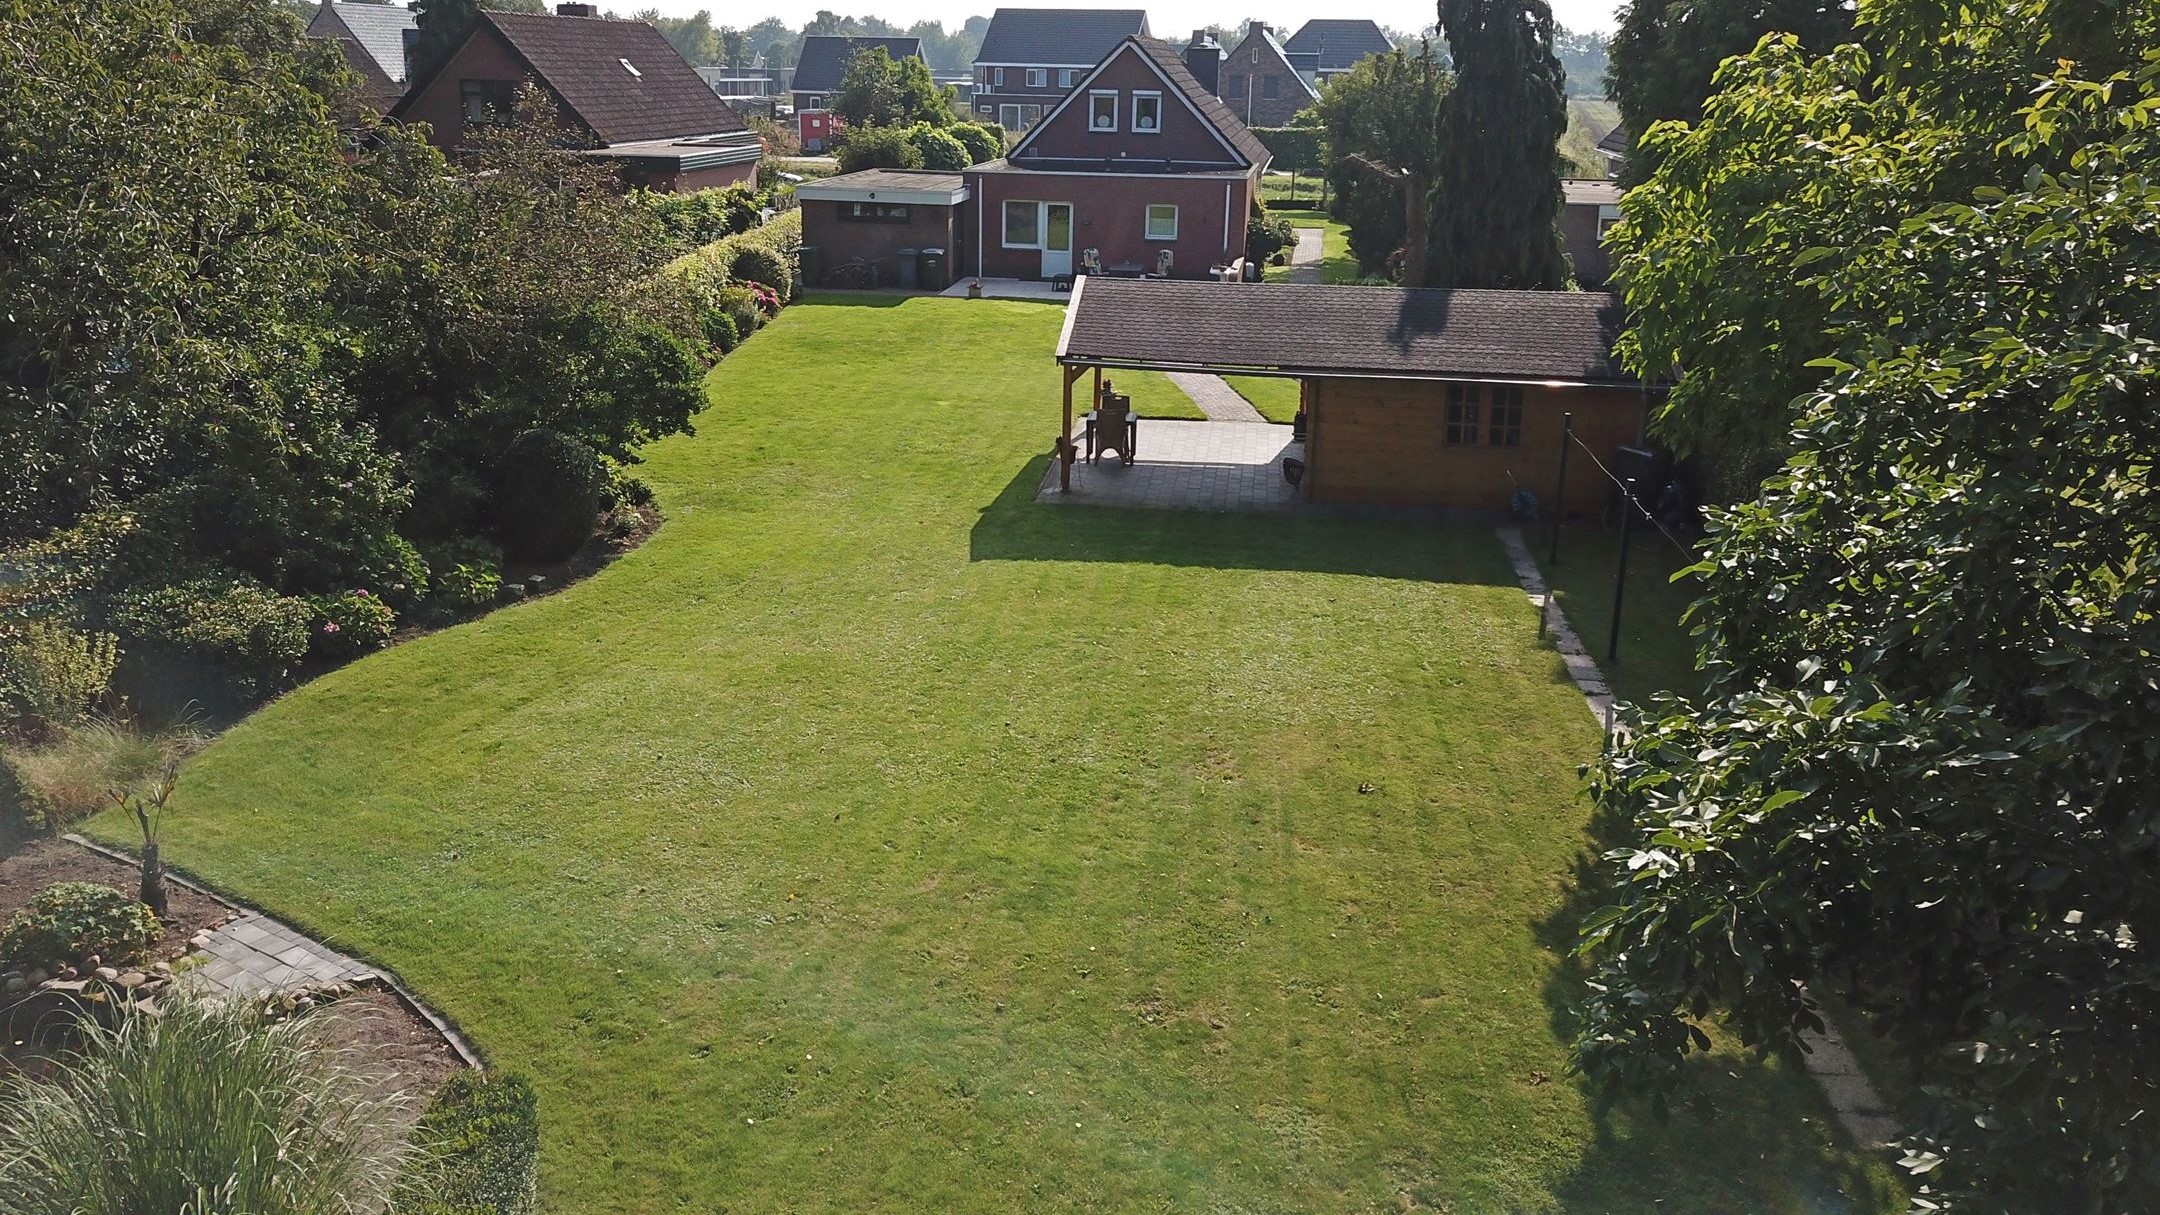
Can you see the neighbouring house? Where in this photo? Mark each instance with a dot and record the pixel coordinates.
(645, 108)
(1614, 148)
(1409, 397)
(824, 61)
(377, 91)
(1338, 44)
(1264, 84)
(1138, 170)
(382, 32)
(1204, 56)
(882, 220)
(1592, 204)
(1031, 57)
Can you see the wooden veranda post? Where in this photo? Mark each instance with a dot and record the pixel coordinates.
(1065, 443)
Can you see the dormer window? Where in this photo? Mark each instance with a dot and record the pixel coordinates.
(1102, 110)
(1147, 113)
(631, 68)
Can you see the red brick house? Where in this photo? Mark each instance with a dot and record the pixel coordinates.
(645, 107)
(1032, 57)
(1139, 169)
(1264, 83)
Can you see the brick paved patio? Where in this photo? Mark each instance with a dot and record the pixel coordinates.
(1209, 466)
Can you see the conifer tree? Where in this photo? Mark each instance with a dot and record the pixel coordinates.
(1499, 183)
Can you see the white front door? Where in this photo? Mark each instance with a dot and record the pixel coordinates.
(1056, 239)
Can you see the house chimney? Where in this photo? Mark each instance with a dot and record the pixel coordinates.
(1255, 29)
(1204, 58)
(574, 8)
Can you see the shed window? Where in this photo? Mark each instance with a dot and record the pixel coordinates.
(1504, 427)
(1147, 113)
(874, 213)
(1102, 110)
(1161, 221)
(1462, 407)
(1021, 229)
(1038, 78)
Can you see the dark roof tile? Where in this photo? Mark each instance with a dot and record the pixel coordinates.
(1073, 37)
(1384, 331)
(1340, 42)
(825, 58)
(1211, 107)
(589, 62)
(379, 28)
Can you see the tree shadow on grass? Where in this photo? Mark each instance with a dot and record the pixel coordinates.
(1745, 1134)
(1425, 548)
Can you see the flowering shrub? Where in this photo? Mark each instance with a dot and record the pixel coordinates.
(767, 299)
(350, 624)
(71, 921)
(230, 628)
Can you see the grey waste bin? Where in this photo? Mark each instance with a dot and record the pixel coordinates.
(933, 270)
(907, 269)
(813, 266)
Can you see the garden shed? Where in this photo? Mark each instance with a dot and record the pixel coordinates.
(1408, 397)
(882, 219)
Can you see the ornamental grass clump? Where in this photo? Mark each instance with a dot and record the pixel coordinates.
(206, 1107)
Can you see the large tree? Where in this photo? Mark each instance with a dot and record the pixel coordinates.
(1499, 183)
(1382, 123)
(1925, 772)
(878, 90)
(1663, 55)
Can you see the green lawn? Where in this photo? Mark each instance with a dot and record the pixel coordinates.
(1336, 265)
(1286, 190)
(1590, 119)
(1275, 397)
(875, 838)
(1656, 652)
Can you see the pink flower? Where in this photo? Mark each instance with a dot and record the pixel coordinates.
(361, 593)
(329, 626)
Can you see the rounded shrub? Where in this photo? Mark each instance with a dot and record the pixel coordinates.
(548, 491)
(229, 631)
(72, 921)
(351, 623)
(720, 331)
(758, 264)
(983, 143)
(877, 148)
(939, 149)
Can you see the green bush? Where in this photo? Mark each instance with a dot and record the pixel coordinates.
(479, 1145)
(548, 488)
(351, 623)
(702, 216)
(1267, 235)
(940, 149)
(721, 332)
(626, 488)
(877, 148)
(758, 264)
(228, 629)
(740, 305)
(53, 785)
(1296, 149)
(54, 675)
(983, 143)
(705, 271)
(462, 588)
(71, 921)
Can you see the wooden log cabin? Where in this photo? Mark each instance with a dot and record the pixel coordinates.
(1430, 398)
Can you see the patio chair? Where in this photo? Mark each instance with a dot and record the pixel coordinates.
(1113, 427)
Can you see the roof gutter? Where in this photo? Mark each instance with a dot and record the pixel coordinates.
(1300, 373)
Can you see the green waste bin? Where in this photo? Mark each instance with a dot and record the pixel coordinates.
(933, 270)
(907, 269)
(813, 266)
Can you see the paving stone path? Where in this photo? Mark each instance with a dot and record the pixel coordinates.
(1305, 259)
(1215, 397)
(254, 953)
(1852, 1096)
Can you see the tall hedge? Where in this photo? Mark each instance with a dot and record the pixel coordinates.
(1296, 149)
(708, 267)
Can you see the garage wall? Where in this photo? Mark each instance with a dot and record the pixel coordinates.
(1383, 442)
(843, 240)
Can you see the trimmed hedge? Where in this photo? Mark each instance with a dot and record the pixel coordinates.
(708, 268)
(1296, 149)
(480, 1149)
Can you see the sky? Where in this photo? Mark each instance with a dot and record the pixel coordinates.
(1167, 18)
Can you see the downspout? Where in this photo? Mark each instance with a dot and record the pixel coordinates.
(979, 230)
(1226, 223)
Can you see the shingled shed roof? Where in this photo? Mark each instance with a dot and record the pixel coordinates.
(1057, 37)
(1388, 332)
(825, 58)
(621, 78)
(1340, 42)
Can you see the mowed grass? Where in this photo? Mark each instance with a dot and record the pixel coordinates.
(1276, 397)
(1336, 264)
(1657, 652)
(875, 838)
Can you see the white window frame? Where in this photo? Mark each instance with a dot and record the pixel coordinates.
(1068, 77)
(1038, 78)
(1140, 95)
(1005, 222)
(1095, 98)
(1147, 221)
(997, 77)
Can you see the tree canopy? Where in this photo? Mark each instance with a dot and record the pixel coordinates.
(1498, 185)
(879, 90)
(1923, 774)
(1383, 130)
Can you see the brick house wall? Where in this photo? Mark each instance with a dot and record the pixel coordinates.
(1259, 85)
(1014, 90)
(1110, 215)
(1384, 442)
(844, 240)
(1183, 137)
(440, 104)
(1581, 226)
